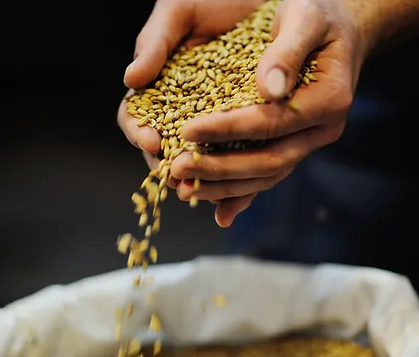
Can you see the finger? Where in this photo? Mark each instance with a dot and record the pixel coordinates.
(169, 22)
(270, 121)
(173, 183)
(219, 190)
(302, 28)
(142, 137)
(278, 156)
(152, 162)
(256, 122)
(228, 209)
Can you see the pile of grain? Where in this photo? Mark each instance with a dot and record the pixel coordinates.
(217, 76)
(284, 347)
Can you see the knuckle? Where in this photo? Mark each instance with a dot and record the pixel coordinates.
(249, 200)
(221, 173)
(343, 97)
(272, 165)
(268, 183)
(345, 101)
(226, 191)
(292, 57)
(335, 133)
(275, 121)
(214, 169)
(183, 170)
(275, 127)
(248, 203)
(290, 61)
(273, 130)
(272, 169)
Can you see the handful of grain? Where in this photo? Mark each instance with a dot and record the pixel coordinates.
(217, 76)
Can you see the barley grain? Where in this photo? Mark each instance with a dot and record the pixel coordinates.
(195, 81)
(130, 309)
(155, 325)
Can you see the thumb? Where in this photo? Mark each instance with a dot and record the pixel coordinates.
(169, 22)
(300, 32)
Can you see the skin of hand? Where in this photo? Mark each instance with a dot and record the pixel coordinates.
(173, 21)
(341, 32)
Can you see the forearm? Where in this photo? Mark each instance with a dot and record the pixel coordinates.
(383, 23)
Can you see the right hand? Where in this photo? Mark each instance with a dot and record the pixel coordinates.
(171, 22)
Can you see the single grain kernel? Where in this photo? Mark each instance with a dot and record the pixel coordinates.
(148, 231)
(124, 243)
(197, 184)
(143, 245)
(130, 309)
(143, 219)
(155, 325)
(193, 202)
(220, 300)
(118, 332)
(134, 348)
(157, 347)
(137, 282)
(196, 156)
(153, 254)
(294, 106)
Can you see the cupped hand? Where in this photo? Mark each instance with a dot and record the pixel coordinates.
(328, 28)
(173, 22)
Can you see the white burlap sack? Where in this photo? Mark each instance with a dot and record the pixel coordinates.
(262, 299)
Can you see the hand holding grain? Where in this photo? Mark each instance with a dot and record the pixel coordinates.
(339, 34)
(234, 179)
(172, 22)
(317, 118)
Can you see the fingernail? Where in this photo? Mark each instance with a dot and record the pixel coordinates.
(275, 83)
(128, 71)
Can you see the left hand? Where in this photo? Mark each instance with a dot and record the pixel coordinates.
(235, 178)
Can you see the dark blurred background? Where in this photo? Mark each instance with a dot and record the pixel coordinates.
(66, 170)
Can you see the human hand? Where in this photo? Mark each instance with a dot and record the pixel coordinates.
(172, 22)
(302, 26)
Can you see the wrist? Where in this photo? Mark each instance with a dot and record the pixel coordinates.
(384, 23)
(367, 19)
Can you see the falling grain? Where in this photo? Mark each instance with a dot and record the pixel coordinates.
(217, 76)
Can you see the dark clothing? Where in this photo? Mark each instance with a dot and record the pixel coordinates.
(353, 202)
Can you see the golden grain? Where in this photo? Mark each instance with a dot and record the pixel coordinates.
(130, 309)
(153, 254)
(155, 325)
(134, 348)
(137, 282)
(157, 347)
(220, 300)
(193, 202)
(124, 243)
(217, 76)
